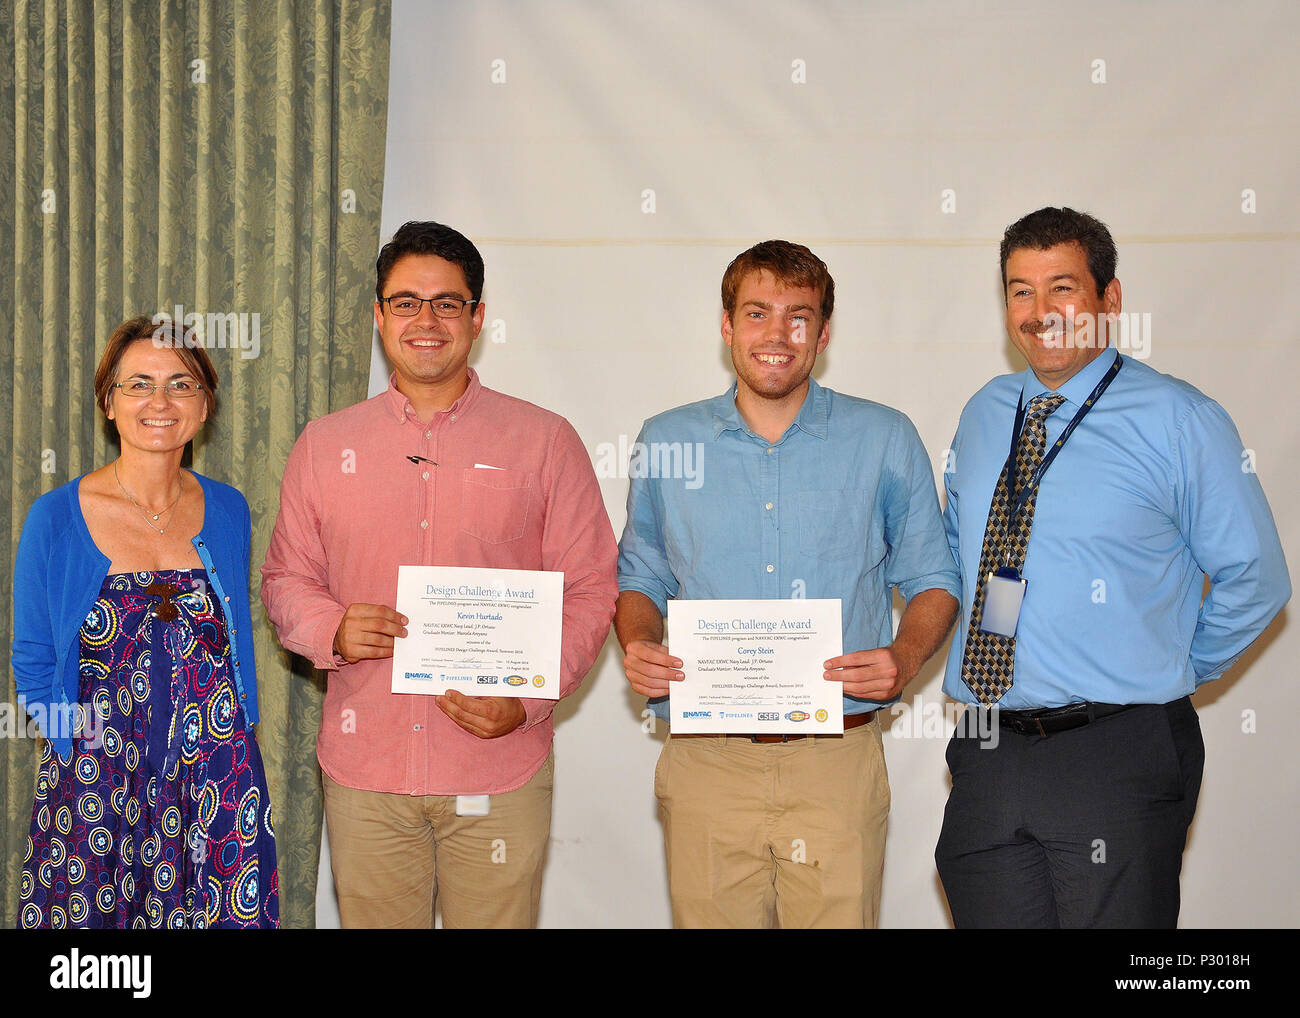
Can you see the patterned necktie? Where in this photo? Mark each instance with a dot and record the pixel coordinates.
(989, 659)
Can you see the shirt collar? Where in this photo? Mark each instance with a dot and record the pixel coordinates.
(398, 404)
(813, 417)
(1078, 388)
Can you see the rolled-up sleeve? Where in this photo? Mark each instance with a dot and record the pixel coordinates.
(642, 561)
(920, 556)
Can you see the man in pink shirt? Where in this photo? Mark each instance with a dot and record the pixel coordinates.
(437, 470)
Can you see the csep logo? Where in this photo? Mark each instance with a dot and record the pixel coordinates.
(769, 716)
(798, 715)
(516, 680)
(822, 715)
(487, 680)
(539, 681)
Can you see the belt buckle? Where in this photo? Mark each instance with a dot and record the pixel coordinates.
(758, 739)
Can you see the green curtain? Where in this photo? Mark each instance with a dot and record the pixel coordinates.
(227, 158)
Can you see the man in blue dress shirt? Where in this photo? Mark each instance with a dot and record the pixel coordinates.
(1082, 624)
(796, 491)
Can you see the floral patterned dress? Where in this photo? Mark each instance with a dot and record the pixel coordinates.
(161, 817)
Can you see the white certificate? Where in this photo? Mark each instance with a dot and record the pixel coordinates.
(484, 632)
(756, 667)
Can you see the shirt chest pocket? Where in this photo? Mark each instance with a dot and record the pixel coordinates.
(494, 504)
(837, 526)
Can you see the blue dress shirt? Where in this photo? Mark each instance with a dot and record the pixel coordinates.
(843, 505)
(1152, 491)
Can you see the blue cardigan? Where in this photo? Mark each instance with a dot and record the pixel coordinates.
(57, 578)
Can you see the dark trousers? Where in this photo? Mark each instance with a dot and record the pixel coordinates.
(1079, 829)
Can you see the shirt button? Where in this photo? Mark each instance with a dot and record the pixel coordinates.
(453, 417)
(425, 475)
(428, 434)
(770, 567)
(424, 524)
(243, 696)
(200, 544)
(770, 450)
(227, 599)
(237, 659)
(418, 728)
(768, 506)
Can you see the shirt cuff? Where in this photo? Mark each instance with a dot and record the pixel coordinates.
(325, 656)
(657, 596)
(949, 582)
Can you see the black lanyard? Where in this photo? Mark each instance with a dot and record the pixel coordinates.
(1018, 501)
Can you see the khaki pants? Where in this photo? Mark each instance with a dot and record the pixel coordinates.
(396, 857)
(792, 832)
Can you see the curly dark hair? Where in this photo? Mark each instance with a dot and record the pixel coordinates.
(1051, 226)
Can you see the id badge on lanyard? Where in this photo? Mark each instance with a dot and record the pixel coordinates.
(1004, 592)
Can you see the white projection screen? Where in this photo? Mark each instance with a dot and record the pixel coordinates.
(609, 159)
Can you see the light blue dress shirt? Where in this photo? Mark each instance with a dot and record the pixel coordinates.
(1151, 492)
(844, 505)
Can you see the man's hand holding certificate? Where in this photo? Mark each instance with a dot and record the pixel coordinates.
(481, 632)
(756, 667)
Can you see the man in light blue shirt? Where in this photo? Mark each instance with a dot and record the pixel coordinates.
(796, 491)
(1077, 817)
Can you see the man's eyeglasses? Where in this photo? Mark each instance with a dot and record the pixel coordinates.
(177, 388)
(443, 307)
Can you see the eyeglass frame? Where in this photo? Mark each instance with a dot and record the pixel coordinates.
(428, 300)
(155, 386)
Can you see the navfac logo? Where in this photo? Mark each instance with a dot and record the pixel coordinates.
(697, 714)
(797, 715)
(516, 680)
(822, 715)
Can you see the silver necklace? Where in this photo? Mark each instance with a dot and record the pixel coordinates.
(170, 510)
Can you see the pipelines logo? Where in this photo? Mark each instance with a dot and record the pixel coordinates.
(798, 715)
(822, 715)
(515, 680)
(539, 681)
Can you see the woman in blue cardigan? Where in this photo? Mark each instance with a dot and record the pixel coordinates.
(133, 653)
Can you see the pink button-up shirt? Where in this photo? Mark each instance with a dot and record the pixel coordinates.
(353, 508)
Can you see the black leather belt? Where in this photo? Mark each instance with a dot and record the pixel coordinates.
(1046, 721)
